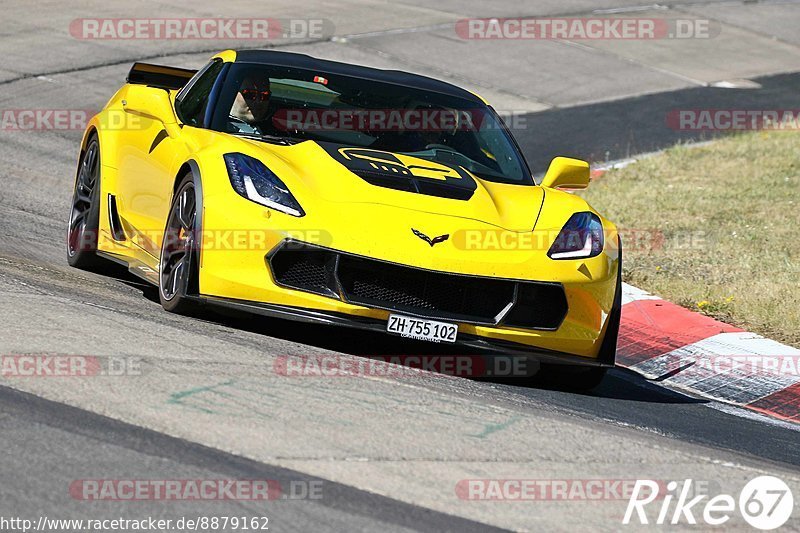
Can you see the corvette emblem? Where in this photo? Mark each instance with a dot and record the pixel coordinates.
(435, 240)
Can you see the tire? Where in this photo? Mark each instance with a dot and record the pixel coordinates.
(608, 350)
(178, 264)
(84, 218)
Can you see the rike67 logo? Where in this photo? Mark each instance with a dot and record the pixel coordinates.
(765, 503)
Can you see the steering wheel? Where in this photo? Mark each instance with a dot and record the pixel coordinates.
(435, 146)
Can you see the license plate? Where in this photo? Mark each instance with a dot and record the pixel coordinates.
(422, 329)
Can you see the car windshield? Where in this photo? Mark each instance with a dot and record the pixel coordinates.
(288, 105)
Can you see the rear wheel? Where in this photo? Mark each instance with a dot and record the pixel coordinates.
(178, 271)
(84, 218)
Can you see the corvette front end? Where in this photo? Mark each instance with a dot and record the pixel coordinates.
(365, 259)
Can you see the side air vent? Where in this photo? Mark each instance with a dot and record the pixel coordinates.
(113, 219)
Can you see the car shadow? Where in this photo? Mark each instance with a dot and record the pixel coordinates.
(619, 384)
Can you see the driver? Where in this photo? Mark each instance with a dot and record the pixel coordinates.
(251, 106)
(445, 125)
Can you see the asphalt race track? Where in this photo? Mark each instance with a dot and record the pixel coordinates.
(387, 453)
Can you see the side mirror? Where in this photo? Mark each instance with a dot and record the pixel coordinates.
(568, 173)
(151, 103)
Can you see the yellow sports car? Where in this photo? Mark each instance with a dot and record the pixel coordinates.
(320, 191)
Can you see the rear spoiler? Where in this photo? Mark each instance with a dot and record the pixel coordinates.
(159, 76)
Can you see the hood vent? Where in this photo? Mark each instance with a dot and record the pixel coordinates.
(416, 185)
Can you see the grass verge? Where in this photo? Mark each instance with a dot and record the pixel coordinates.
(715, 229)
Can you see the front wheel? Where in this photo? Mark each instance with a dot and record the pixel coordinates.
(178, 272)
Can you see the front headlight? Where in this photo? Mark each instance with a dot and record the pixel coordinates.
(580, 238)
(252, 179)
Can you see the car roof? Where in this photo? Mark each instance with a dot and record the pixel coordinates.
(398, 77)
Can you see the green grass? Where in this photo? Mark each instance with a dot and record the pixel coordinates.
(729, 213)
